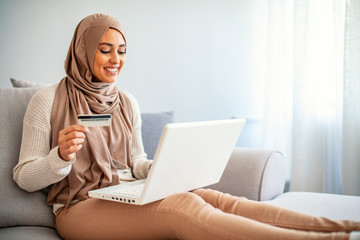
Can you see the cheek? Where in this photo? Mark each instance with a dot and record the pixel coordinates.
(98, 62)
(96, 70)
(123, 59)
(122, 62)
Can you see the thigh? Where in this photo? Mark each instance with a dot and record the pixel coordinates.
(101, 219)
(181, 216)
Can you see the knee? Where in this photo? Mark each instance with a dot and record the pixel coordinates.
(187, 197)
(182, 201)
(210, 193)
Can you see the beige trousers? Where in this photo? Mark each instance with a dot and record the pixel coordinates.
(201, 215)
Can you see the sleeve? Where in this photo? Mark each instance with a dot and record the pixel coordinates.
(39, 166)
(141, 165)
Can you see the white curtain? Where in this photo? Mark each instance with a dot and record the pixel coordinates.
(299, 59)
(272, 61)
(351, 122)
(317, 95)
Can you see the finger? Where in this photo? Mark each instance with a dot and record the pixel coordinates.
(69, 147)
(72, 149)
(71, 136)
(69, 153)
(73, 128)
(72, 143)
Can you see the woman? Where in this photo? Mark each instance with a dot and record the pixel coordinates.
(72, 160)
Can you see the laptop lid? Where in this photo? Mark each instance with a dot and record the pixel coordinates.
(189, 156)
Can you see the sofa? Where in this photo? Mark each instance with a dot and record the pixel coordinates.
(256, 174)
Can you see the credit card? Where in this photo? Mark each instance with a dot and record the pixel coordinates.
(98, 120)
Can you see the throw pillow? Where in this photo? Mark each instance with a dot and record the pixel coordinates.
(151, 130)
(25, 84)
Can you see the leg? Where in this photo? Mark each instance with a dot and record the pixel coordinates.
(182, 216)
(273, 215)
(104, 220)
(196, 219)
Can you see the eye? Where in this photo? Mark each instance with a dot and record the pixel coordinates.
(105, 52)
(122, 50)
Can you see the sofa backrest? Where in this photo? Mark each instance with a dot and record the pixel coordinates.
(152, 126)
(18, 207)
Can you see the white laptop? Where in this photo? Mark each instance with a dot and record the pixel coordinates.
(189, 156)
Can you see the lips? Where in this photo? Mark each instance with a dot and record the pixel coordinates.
(112, 70)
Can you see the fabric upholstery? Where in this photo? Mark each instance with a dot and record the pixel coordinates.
(273, 177)
(27, 232)
(17, 207)
(152, 126)
(23, 83)
(256, 174)
(334, 206)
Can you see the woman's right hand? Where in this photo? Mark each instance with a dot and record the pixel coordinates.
(70, 141)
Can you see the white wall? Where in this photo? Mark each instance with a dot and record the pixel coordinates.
(192, 57)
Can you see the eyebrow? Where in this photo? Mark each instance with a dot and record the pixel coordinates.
(109, 44)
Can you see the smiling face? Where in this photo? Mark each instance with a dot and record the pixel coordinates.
(110, 56)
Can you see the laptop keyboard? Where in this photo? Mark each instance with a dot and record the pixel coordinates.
(134, 190)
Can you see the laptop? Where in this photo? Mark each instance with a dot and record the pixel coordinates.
(189, 156)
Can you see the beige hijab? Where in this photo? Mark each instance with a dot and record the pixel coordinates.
(77, 94)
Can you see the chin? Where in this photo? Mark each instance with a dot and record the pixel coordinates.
(108, 80)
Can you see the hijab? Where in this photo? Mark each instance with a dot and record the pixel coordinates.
(78, 93)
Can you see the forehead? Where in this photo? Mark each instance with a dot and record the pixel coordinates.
(113, 36)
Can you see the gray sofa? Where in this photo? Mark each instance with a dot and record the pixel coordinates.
(253, 173)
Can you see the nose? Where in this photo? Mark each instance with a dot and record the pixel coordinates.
(114, 58)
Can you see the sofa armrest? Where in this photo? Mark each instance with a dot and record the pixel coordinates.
(256, 174)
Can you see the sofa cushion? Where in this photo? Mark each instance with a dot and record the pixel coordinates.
(152, 127)
(333, 206)
(17, 207)
(23, 83)
(28, 233)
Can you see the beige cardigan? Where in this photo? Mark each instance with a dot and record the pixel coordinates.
(39, 166)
